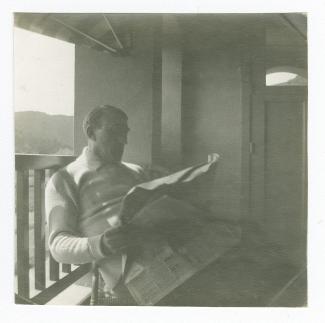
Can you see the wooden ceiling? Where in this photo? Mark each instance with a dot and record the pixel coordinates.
(113, 32)
(100, 31)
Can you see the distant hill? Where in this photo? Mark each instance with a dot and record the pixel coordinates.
(41, 133)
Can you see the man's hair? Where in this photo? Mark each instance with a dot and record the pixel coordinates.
(94, 116)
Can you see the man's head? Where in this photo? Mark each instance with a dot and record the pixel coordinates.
(106, 128)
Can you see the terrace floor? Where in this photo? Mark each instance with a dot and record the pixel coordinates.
(242, 280)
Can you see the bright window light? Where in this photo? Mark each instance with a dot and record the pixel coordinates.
(286, 76)
(44, 73)
(43, 94)
(279, 78)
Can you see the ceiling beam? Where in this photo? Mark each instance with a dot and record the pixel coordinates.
(78, 31)
(293, 26)
(110, 27)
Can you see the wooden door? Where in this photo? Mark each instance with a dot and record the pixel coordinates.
(278, 169)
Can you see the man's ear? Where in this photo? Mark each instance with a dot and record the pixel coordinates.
(91, 133)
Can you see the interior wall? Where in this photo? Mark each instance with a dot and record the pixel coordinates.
(211, 105)
(126, 82)
(212, 118)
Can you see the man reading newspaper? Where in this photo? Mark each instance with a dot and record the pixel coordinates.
(147, 239)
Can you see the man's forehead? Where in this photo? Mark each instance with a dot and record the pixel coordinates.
(113, 117)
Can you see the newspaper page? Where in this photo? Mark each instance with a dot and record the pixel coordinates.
(179, 238)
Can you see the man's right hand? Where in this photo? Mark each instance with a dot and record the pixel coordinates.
(120, 239)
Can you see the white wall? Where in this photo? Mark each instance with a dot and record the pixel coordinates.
(212, 117)
(125, 82)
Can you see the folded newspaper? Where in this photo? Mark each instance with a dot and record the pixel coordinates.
(180, 235)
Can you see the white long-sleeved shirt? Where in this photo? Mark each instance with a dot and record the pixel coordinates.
(82, 200)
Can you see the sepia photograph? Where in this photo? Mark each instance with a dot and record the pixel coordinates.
(160, 159)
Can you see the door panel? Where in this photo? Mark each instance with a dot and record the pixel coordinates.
(278, 170)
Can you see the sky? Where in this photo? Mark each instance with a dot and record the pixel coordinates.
(43, 73)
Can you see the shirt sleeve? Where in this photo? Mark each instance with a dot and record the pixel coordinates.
(65, 243)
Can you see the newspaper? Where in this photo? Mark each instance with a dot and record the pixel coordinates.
(164, 264)
(179, 238)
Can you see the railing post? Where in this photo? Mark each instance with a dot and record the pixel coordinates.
(54, 265)
(54, 269)
(66, 268)
(39, 228)
(22, 233)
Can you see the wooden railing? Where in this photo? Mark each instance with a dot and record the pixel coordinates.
(48, 276)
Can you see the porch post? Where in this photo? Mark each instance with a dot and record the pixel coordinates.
(171, 93)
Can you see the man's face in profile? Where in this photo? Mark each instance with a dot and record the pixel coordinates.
(111, 137)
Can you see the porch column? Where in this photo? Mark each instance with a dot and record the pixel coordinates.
(171, 93)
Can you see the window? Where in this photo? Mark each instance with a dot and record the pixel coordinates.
(286, 76)
(43, 94)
